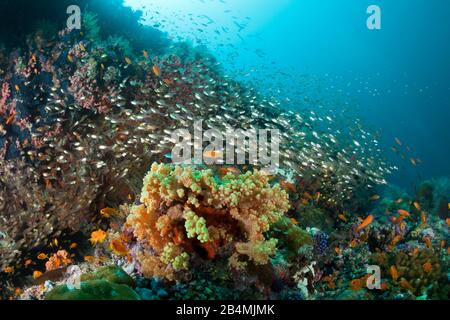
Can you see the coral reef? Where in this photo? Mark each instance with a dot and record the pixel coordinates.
(84, 113)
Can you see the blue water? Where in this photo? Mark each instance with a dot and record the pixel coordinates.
(399, 76)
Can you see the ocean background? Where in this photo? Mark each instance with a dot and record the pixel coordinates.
(397, 78)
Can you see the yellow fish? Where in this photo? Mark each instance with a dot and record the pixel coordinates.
(108, 212)
(128, 60)
(375, 197)
(42, 256)
(36, 274)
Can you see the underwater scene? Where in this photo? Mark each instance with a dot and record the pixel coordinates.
(224, 150)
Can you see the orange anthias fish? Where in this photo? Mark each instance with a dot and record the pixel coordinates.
(169, 82)
(366, 222)
(396, 220)
(423, 217)
(417, 206)
(8, 270)
(356, 284)
(413, 161)
(37, 274)
(405, 284)
(94, 259)
(27, 262)
(375, 197)
(212, 154)
(108, 212)
(156, 70)
(397, 140)
(11, 118)
(396, 239)
(42, 256)
(73, 245)
(403, 213)
(394, 273)
(294, 221)
(128, 60)
(399, 200)
(447, 221)
(97, 237)
(145, 53)
(342, 217)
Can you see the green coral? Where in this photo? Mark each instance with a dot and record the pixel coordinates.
(314, 217)
(90, 24)
(196, 226)
(93, 290)
(112, 274)
(291, 236)
(106, 283)
(181, 262)
(173, 255)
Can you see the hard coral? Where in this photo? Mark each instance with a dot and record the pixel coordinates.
(185, 211)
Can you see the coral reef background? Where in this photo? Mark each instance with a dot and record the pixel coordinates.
(85, 113)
